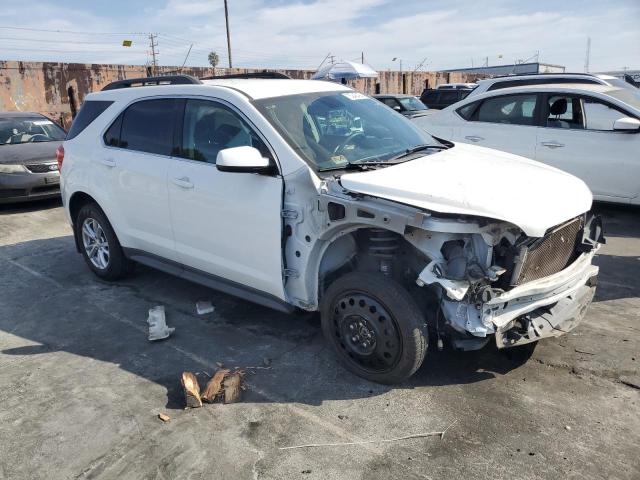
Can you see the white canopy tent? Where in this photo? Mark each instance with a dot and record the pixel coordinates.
(344, 70)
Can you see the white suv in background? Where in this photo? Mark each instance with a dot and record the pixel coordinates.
(507, 81)
(308, 195)
(590, 131)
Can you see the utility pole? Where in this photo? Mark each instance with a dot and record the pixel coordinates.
(226, 18)
(185, 58)
(154, 53)
(362, 58)
(586, 58)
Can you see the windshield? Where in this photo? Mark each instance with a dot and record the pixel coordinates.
(28, 130)
(331, 130)
(620, 83)
(630, 97)
(412, 103)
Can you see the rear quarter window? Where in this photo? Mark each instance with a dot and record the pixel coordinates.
(90, 110)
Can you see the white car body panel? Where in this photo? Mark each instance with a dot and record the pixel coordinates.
(478, 181)
(219, 231)
(608, 161)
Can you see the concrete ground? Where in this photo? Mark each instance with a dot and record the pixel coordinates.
(81, 386)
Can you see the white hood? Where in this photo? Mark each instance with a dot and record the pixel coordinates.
(470, 180)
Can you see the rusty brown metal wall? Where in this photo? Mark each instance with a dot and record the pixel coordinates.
(57, 89)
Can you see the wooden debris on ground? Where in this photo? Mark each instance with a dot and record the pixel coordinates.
(224, 385)
(191, 390)
(232, 387)
(214, 386)
(164, 417)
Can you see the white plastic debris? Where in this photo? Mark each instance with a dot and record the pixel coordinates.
(157, 324)
(204, 307)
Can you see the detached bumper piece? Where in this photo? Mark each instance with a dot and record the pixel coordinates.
(550, 321)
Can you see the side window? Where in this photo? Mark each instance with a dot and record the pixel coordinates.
(210, 127)
(599, 116)
(510, 109)
(148, 126)
(391, 102)
(467, 111)
(112, 135)
(89, 111)
(564, 111)
(448, 96)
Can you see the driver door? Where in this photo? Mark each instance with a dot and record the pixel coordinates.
(226, 224)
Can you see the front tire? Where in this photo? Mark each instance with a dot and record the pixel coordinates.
(99, 244)
(375, 327)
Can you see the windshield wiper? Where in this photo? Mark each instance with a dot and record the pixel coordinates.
(350, 166)
(415, 149)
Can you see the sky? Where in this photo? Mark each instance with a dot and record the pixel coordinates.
(429, 35)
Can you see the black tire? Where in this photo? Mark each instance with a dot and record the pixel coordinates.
(117, 266)
(390, 329)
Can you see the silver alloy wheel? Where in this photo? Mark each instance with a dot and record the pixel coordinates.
(95, 243)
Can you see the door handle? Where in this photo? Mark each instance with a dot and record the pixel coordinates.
(552, 144)
(183, 182)
(474, 138)
(109, 162)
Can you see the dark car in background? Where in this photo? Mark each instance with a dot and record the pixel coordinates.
(444, 96)
(28, 165)
(408, 105)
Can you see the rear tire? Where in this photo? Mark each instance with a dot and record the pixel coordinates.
(99, 244)
(375, 327)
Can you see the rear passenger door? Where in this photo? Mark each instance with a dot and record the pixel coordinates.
(134, 167)
(505, 122)
(225, 224)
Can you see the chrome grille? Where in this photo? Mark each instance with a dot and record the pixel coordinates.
(42, 167)
(549, 254)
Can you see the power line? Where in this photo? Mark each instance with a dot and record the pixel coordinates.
(73, 32)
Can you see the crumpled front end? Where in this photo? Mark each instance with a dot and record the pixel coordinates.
(496, 281)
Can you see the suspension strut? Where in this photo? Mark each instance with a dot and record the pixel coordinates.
(383, 245)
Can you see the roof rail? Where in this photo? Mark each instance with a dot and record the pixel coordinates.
(581, 74)
(150, 81)
(265, 74)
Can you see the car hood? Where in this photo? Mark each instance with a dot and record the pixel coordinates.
(28, 152)
(470, 180)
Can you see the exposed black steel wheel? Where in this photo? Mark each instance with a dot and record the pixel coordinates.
(375, 326)
(99, 245)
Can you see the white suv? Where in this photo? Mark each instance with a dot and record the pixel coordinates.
(308, 195)
(508, 81)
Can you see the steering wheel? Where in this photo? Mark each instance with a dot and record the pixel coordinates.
(347, 141)
(38, 137)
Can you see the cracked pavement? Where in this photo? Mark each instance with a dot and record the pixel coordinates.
(82, 386)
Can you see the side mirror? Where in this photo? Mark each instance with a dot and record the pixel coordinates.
(243, 160)
(397, 108)
(627, 124)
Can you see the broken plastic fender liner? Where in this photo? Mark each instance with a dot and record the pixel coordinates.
(191, 390)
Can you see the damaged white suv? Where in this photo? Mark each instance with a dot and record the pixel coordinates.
(308, 195)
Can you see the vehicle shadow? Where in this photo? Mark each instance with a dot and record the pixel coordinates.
(619, 220)
(79, 314)
(31, 206)
(619, 259)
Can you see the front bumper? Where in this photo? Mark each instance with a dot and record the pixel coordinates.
(553, 321)
(23, 187)
(541, 308)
